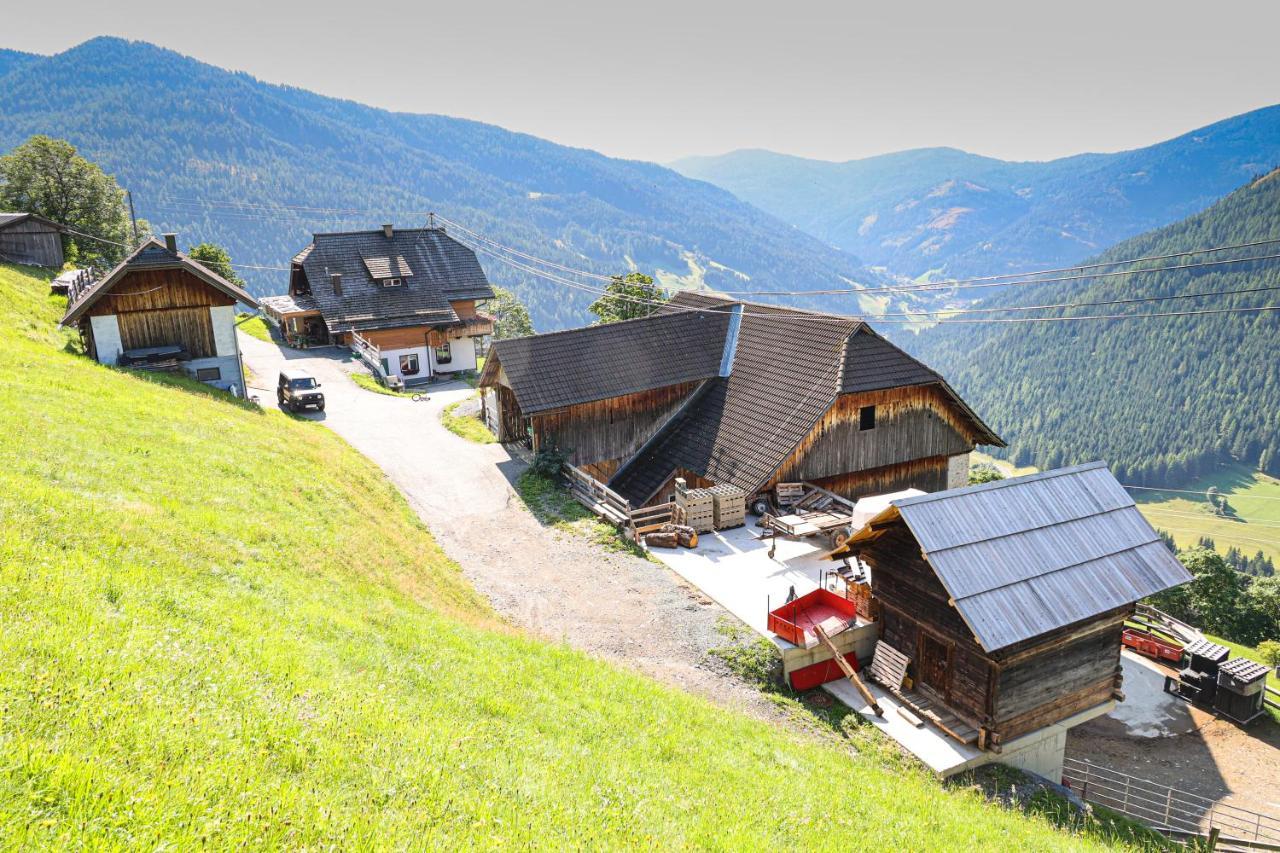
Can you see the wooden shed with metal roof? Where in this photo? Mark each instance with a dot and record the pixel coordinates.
(1009, 599)
(718, 391)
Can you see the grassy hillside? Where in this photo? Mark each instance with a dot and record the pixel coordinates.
(1254, 497)
(222, 627)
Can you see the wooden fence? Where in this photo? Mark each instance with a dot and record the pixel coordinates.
(1172, 812)
(613, 507)
(369, 354)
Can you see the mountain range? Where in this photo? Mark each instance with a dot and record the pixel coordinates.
(217, 155)
(946, 212)
(1163, 399)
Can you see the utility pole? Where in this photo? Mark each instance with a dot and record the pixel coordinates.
(133, 218)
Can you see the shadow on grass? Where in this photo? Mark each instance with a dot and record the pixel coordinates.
(553, 506)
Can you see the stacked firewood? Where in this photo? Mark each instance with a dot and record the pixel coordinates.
(671, 536)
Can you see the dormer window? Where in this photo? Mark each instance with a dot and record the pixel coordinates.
(392, 282)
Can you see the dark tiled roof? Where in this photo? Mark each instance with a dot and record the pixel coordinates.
(154, 255)
(580, 365)
(442, 269)
(785, 375)
(872, 363)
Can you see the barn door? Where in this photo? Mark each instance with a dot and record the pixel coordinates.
(935, 660)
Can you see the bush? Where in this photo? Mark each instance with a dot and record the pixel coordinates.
(548, 463)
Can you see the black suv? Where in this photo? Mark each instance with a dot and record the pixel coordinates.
(298, 390)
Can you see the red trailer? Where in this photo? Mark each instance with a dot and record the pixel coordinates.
(1147, 643)
(795, 620)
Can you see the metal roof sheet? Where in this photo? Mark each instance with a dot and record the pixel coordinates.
(1024, 556)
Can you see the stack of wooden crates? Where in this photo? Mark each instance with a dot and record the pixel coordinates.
(695, 507)
(729, 506)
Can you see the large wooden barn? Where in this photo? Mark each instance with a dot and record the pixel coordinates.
(29, 239)
(159, 309)
(1009, 598)
(405, 299)
(718, 391)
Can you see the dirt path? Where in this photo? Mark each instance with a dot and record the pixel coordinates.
(1162, 739)
(562, 587)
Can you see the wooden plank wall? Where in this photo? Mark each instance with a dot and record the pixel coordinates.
(31, 243)
(911, 424)
(405, 337)
(510, 418)
(927, 475)
(158, 290)
(190, 328)
(609, 429)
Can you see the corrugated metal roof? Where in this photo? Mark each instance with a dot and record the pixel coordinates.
(1025, 556)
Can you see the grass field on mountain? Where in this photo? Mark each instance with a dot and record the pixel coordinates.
(1254, 497)
(224, 628)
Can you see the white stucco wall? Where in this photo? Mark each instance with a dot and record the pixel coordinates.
(392, 359)
(958, 471)
(224, 329)
(463, 351)
(106, 338)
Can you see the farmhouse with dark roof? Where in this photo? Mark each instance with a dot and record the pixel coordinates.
(403, 299)
(722, 392)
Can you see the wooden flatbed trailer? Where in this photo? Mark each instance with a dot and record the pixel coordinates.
(814, 512)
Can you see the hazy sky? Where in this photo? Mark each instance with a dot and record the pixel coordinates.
(659, 80)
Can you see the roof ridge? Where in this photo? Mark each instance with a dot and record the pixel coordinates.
(999, 484)
(578, 329)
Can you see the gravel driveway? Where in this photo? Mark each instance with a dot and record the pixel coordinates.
(561, 586)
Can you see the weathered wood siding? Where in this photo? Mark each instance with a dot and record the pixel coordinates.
(163, 308)
(913, 601)
(910, 424)
(927, 475)
(507, 415)
(158, 290)
(405, 337)
(608, 429)
(32, 243)
(190, 328)
(1015, 690)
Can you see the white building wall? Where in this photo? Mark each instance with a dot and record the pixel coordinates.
(958, 471)
(106, 338)
(391, 359)
(223, 318)
(463, 351)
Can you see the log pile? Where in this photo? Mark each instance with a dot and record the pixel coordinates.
(671, 536)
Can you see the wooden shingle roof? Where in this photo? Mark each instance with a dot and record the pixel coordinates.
(435, 270)
(581, 365)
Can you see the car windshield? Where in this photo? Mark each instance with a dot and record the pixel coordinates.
(302, 384)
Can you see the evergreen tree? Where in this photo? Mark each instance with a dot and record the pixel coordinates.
(627, 298)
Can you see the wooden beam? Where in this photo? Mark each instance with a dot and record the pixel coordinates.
(848, 670)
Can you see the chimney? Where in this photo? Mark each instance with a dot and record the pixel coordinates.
(388, 231)
(171, 242)
(335, 279)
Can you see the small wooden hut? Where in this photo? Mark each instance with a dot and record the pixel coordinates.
(29, 239)
(1009, 598)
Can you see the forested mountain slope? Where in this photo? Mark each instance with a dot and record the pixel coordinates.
(187, 137)
(943, 210)
(1161, 399)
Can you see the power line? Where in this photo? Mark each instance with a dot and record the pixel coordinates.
(811, 317)
(1203, 493)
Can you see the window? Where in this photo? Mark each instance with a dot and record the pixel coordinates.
(409, 364)
(209, 374)
(392, 282)
(444, 355)
(867, 418)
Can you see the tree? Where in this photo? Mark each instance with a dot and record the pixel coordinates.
(628, 297)
(1270, 652)
(984, 474)
(1215, 595)
(47, 177)
(217, 259)
(511, 318)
